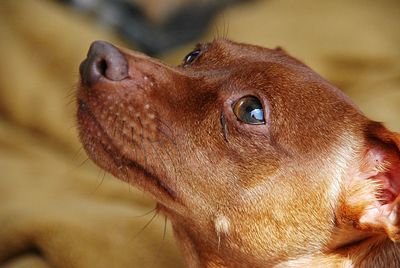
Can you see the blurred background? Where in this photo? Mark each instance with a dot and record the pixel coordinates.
(56, 208)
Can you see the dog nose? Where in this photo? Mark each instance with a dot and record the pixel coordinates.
(103, 61)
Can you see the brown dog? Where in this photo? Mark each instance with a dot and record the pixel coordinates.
(256, 159)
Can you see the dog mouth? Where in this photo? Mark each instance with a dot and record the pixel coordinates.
(101, 148)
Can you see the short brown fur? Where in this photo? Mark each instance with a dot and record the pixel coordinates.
(293, 192)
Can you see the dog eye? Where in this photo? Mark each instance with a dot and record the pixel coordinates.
(249, 110)
(191, 57)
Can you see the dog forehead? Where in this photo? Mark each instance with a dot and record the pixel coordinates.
(276, 72)
(233, 52)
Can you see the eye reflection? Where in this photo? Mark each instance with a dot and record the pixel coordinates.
(249, 110)
(192, 56)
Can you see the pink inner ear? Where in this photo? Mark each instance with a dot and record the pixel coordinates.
(381, 165)
(385, 164)
(390, 186)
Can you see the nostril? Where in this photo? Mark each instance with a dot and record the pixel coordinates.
(102, 67)
(103, 61)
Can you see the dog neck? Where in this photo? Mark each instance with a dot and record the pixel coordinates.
(366, 252)
(196, 253)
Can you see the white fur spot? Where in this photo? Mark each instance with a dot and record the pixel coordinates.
(222, 225)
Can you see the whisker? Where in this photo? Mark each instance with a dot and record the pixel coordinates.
(161, 121)
(70, 95)
(169, 155)
(175, 146)
(71, 91)
(133, 143)
(162, 241)
(125, 171)
(166, 135)
(77, 153)
(147, 213)
(115, 125)
(227, 29)
(224, 25)
(146, 225)
(101, 181)
(70, 102)
(83, 162)
(216, 31)
(171, 133)
(157, 154)
(142, 144)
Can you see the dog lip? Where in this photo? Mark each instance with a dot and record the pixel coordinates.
(156, 181)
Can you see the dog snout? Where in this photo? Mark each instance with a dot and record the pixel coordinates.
(104, 61)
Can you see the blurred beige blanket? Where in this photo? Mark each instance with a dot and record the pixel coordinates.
(57, 212)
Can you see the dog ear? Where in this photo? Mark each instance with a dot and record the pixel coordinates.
(371, 201)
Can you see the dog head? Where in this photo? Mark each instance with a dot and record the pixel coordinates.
(248, 151)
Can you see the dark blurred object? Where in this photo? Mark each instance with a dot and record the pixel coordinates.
(184, 23)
